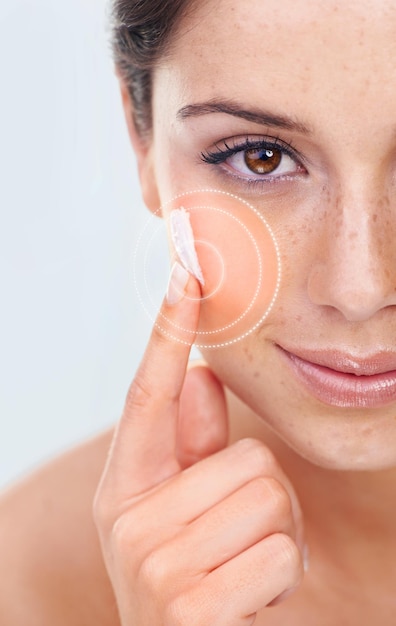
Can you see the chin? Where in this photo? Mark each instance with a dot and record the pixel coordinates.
(351, 458)
(331, 437)
(335, 439)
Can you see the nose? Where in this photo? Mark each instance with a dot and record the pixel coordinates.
(355, 264)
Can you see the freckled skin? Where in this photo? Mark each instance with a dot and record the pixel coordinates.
(235, 248)
(333, 226)
(331, 65)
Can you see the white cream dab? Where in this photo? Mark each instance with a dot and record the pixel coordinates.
(183, 240)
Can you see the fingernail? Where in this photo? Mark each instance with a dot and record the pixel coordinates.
(183, 241)
(283, 596)
(305, 556)
(177, 283)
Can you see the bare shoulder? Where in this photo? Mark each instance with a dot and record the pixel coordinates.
(51, 570)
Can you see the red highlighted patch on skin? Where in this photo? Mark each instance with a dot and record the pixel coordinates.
(240, 263)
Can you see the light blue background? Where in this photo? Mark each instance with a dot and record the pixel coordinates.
(71, 328)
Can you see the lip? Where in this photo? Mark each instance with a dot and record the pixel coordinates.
(344, 380)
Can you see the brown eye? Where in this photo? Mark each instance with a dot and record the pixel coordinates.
(263, 161)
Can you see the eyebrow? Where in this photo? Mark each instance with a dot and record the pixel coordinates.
(257, 116)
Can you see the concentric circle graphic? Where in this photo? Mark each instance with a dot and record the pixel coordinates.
(238, 256)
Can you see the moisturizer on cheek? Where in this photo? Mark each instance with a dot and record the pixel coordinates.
(230, 248)
(183, 241)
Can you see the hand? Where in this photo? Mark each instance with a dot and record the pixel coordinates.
(207, 544)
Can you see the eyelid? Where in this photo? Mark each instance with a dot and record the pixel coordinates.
(229, 147)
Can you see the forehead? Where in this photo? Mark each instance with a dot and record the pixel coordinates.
(258, 49)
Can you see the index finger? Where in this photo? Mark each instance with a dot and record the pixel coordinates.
(143, 452)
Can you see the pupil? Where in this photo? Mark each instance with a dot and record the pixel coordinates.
(263, 161)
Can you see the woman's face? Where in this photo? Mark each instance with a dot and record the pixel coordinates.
(297, 116)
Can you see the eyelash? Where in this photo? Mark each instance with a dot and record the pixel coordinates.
(225, 151)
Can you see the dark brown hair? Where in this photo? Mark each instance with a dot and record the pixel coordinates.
(141, 31)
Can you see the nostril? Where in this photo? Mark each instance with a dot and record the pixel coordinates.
(356, 293)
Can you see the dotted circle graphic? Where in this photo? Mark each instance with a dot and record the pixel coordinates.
(259, 282)
(146, 247)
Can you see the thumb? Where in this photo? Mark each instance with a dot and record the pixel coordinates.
(203, 421)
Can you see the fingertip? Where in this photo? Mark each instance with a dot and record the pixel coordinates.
(283, 596)
(177, 320)
(203, 388)
(177, 284)
(203, 422)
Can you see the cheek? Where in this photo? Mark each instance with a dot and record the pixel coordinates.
(240, 263)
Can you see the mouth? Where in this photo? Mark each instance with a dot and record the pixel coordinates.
(342, 380)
